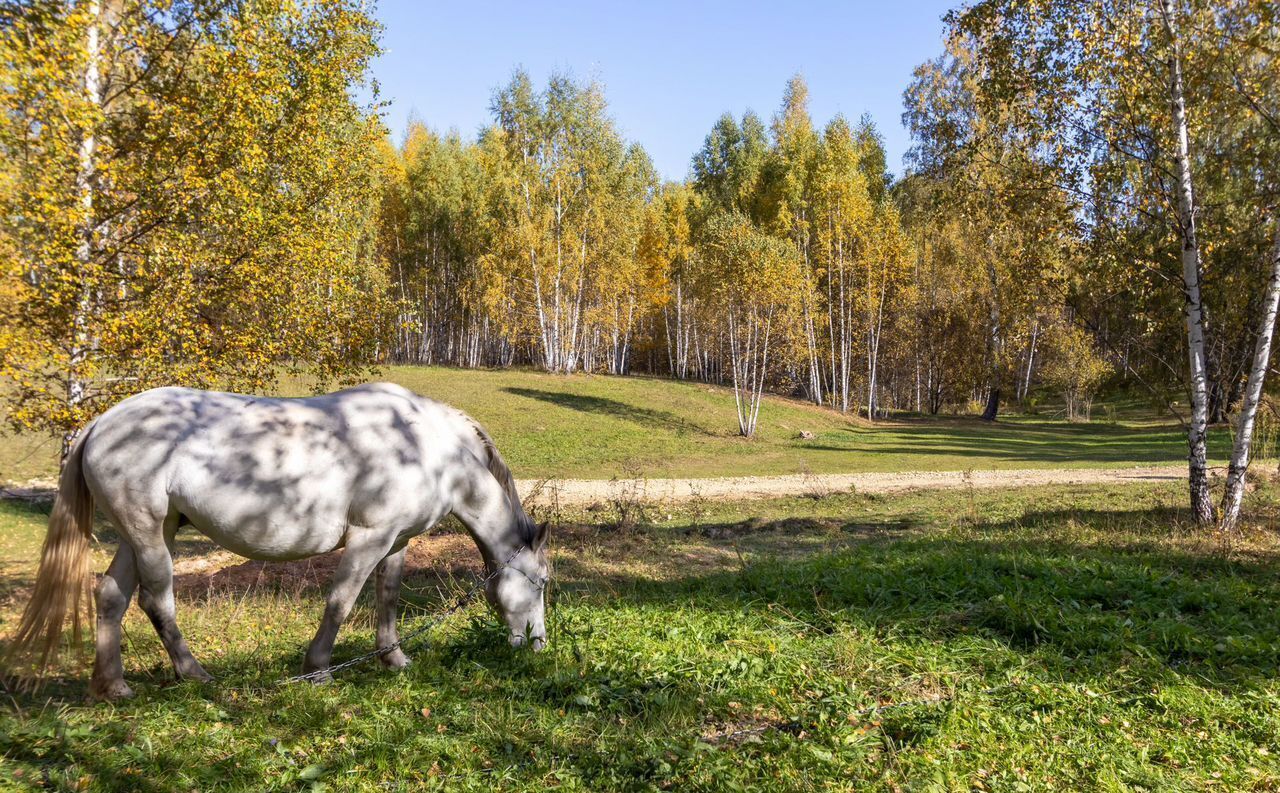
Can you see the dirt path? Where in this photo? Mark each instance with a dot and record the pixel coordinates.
(581, 492)
(584, 492)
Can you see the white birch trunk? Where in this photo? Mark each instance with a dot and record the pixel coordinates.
(85, 179)
(1197, 430)
(1233, 497)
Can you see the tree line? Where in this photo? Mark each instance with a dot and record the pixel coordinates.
(191, 193)
(790, 260)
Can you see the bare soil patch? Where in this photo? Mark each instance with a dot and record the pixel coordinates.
(589, 492)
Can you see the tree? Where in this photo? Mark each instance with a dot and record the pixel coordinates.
(1233, 493)
(748, 278)
(578, 191)
(1134, 107)
(1074, 367)
(183, 192)
(788, 190)
(730, 170)
(841, 216)
(666, 250)
(1009, 227)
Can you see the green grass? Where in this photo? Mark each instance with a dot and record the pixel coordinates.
(601, 427)
(1053, 638)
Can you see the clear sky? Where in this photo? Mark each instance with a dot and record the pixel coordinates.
(669, 68)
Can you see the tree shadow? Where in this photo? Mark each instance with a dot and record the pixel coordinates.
(1081, 607)
(647, 417)
(1041, 443)
(523, 682)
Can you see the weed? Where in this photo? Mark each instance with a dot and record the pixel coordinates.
(628, 499)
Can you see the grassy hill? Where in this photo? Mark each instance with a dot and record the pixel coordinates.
(590, 426)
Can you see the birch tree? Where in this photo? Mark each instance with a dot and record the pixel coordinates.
(183, 198)
(1233, 494)
(666, 249)
(1126, 101)
(842, 214)
(578, 190)
(788, 183)
(748, 278)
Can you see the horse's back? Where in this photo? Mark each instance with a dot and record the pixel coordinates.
(275, 478)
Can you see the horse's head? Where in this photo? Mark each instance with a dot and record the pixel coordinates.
(517, 591)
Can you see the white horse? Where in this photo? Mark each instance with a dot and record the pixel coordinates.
(364, 469)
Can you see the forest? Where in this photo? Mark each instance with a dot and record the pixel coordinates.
(204, 193)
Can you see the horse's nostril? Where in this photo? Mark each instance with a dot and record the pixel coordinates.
(538, 643)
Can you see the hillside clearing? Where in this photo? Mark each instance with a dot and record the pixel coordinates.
(598, 427)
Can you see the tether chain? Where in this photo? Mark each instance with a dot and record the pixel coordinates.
(458, 605)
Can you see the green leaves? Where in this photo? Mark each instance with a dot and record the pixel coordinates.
(219, 224)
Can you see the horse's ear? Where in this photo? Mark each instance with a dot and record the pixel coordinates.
(540, 537)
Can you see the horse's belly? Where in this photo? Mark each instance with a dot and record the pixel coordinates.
(258, 529)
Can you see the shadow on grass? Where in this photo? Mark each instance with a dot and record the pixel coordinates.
(1059, 442)
(1106, 587)
(1079, 603)
(647, 417)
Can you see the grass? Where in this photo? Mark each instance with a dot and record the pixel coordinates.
(598, 427)
(1053, 638)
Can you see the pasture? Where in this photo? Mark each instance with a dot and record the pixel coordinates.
(1056, 638)
(1052, 637)
(599, 427)
(1066, 217)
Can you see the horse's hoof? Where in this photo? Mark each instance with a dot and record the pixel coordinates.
(111, 691)
(396, 659)
(319, 678)
(199, 675)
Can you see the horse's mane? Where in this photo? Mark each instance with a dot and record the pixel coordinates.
(498, 467)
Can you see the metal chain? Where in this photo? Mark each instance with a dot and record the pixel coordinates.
(458, 605)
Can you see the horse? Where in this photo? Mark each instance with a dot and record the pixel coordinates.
(365, 469)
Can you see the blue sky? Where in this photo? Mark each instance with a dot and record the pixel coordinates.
(669, 68)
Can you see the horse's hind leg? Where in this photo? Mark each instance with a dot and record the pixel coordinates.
(113, 596)
(155, 569)
(388, 577)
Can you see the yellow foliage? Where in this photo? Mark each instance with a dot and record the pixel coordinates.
(201, 218)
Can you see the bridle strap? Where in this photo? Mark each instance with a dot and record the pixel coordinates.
(540, 584)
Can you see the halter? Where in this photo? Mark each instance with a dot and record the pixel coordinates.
(539, 583)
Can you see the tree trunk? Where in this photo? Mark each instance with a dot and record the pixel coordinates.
(1197, 430)
(996, 342)
(1031, 361)
(85, 177)
(1233, 497)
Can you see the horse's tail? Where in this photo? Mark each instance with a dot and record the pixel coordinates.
(498, 467)
(64, 583)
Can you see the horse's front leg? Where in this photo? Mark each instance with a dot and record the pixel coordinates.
(364, 549)
(387, 579)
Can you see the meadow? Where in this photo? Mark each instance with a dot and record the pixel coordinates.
(1055, 638)
(1067, 206)
(599, 427)
(1065, 638)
